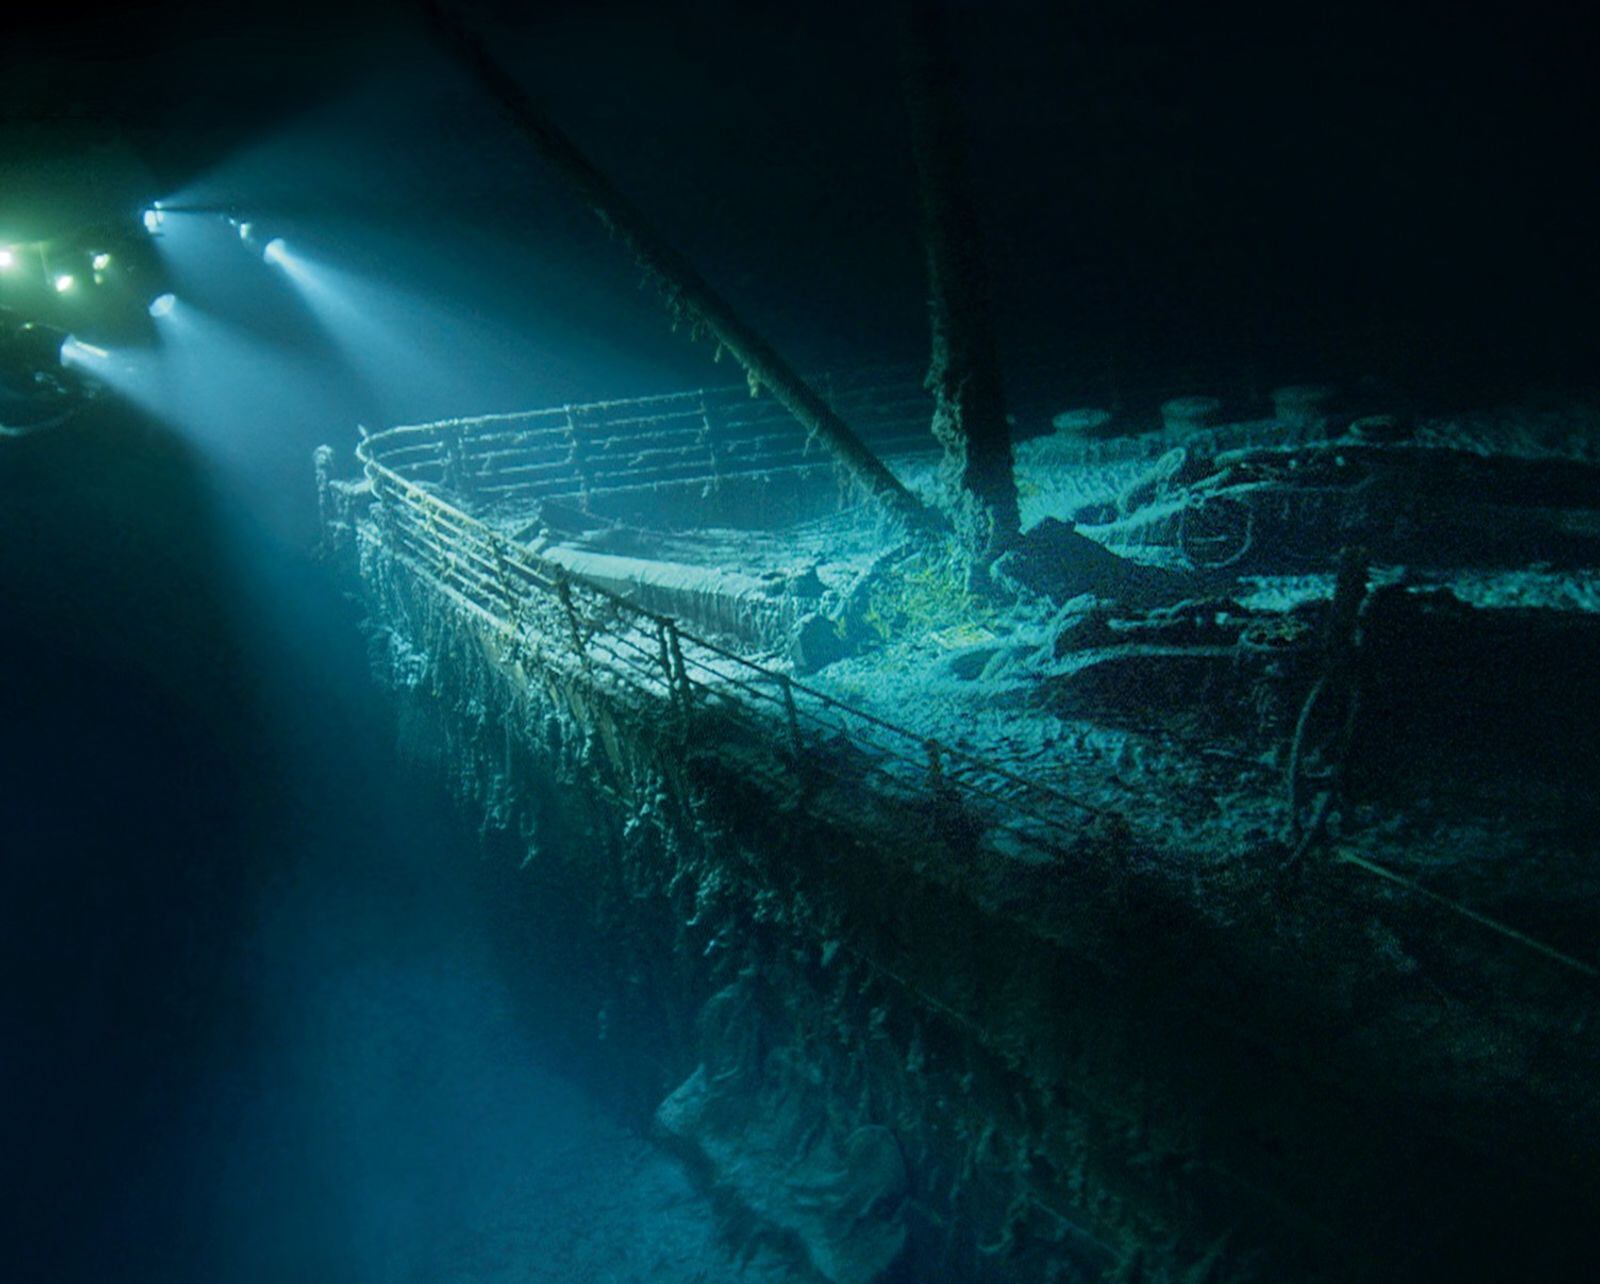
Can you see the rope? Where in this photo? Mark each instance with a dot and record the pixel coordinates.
(1471, 915)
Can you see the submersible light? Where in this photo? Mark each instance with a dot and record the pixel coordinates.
(259, 240)
(32, 348)
(163, 304)
(75, 349)
(101, 262)
(65, 282)
(8, 258)
(276, 251)
(153, 218)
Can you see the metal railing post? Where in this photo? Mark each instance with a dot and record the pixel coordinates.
(564, 592)
(675, 650)
(513, 598)
(664, 649)
(581, 464)
(786, 685)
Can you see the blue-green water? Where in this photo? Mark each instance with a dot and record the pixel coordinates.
(254, 1029)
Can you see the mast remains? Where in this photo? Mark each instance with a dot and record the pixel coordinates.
(686, 292)
(969, 417)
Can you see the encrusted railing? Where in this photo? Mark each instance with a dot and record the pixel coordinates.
(694, 442)
(427, 476)
(556, 622)
(690, 442)
(566, 625)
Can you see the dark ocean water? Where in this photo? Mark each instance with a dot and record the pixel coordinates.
(252, 1026)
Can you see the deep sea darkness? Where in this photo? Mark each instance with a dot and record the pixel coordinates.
(252, 1026)
(1399, 185)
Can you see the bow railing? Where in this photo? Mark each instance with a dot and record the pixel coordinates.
(558, 622)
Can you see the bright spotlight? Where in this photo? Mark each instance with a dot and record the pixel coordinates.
(8, 258)
(153, 219)
(65, 282)
(101, 262)
(163, 304)
(75, 349)
(256, 237)
(276, 250)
